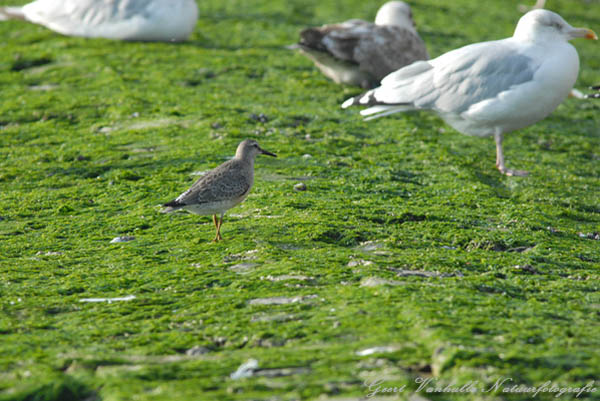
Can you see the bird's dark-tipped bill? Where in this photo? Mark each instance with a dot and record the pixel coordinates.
(266, 152)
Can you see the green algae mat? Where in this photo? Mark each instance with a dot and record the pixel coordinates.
(408, 268)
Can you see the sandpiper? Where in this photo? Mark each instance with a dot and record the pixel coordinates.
(221, 188)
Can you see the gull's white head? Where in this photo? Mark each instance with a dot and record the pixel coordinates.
(548, 26)
(396, 13)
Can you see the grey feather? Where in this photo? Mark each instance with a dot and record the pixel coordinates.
(456, 86)
(378, 50)
(373, 50)
(229, 180)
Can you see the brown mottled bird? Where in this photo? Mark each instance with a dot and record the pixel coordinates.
(221, 188)
(361, 53)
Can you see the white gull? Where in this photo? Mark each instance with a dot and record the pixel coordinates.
(146, 20)
(488, 88)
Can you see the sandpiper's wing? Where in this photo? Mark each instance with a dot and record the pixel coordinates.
(376, 49)
(228, 181)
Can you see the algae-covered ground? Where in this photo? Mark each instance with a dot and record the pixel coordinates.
(409, 262)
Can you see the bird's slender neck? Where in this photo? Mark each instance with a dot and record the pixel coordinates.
(244, 158)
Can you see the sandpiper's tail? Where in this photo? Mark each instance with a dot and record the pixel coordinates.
(172, 206)
(7, 13)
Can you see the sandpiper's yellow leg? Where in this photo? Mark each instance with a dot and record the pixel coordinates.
(219, 229)
(217, 226)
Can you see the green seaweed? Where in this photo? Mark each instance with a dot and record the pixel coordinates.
(96, 134)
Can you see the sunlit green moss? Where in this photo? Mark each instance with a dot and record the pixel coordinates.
(96, 134)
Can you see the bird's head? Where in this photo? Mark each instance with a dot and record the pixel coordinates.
(249, 148)
(546, 25)
(396, 13)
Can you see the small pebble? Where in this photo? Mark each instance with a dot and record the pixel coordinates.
(594, 236)
(528, 269)
(243, 268)
(109, 300)
(49, 253)
(246, 369)
(377, 350)
(259, 117)
(378, 281)
(281, 300)
(300, 187)
(197, 350)
(43, 87)
(423, 273)
(220, 341)
(285, 277)
(281, 317)
(370, 246)
(125, 238)
(359, 262)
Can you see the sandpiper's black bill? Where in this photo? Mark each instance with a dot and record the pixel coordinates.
(265, 152)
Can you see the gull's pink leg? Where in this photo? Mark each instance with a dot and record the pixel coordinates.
(500, 159)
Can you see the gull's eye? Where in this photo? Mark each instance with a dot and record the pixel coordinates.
(556, 25)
